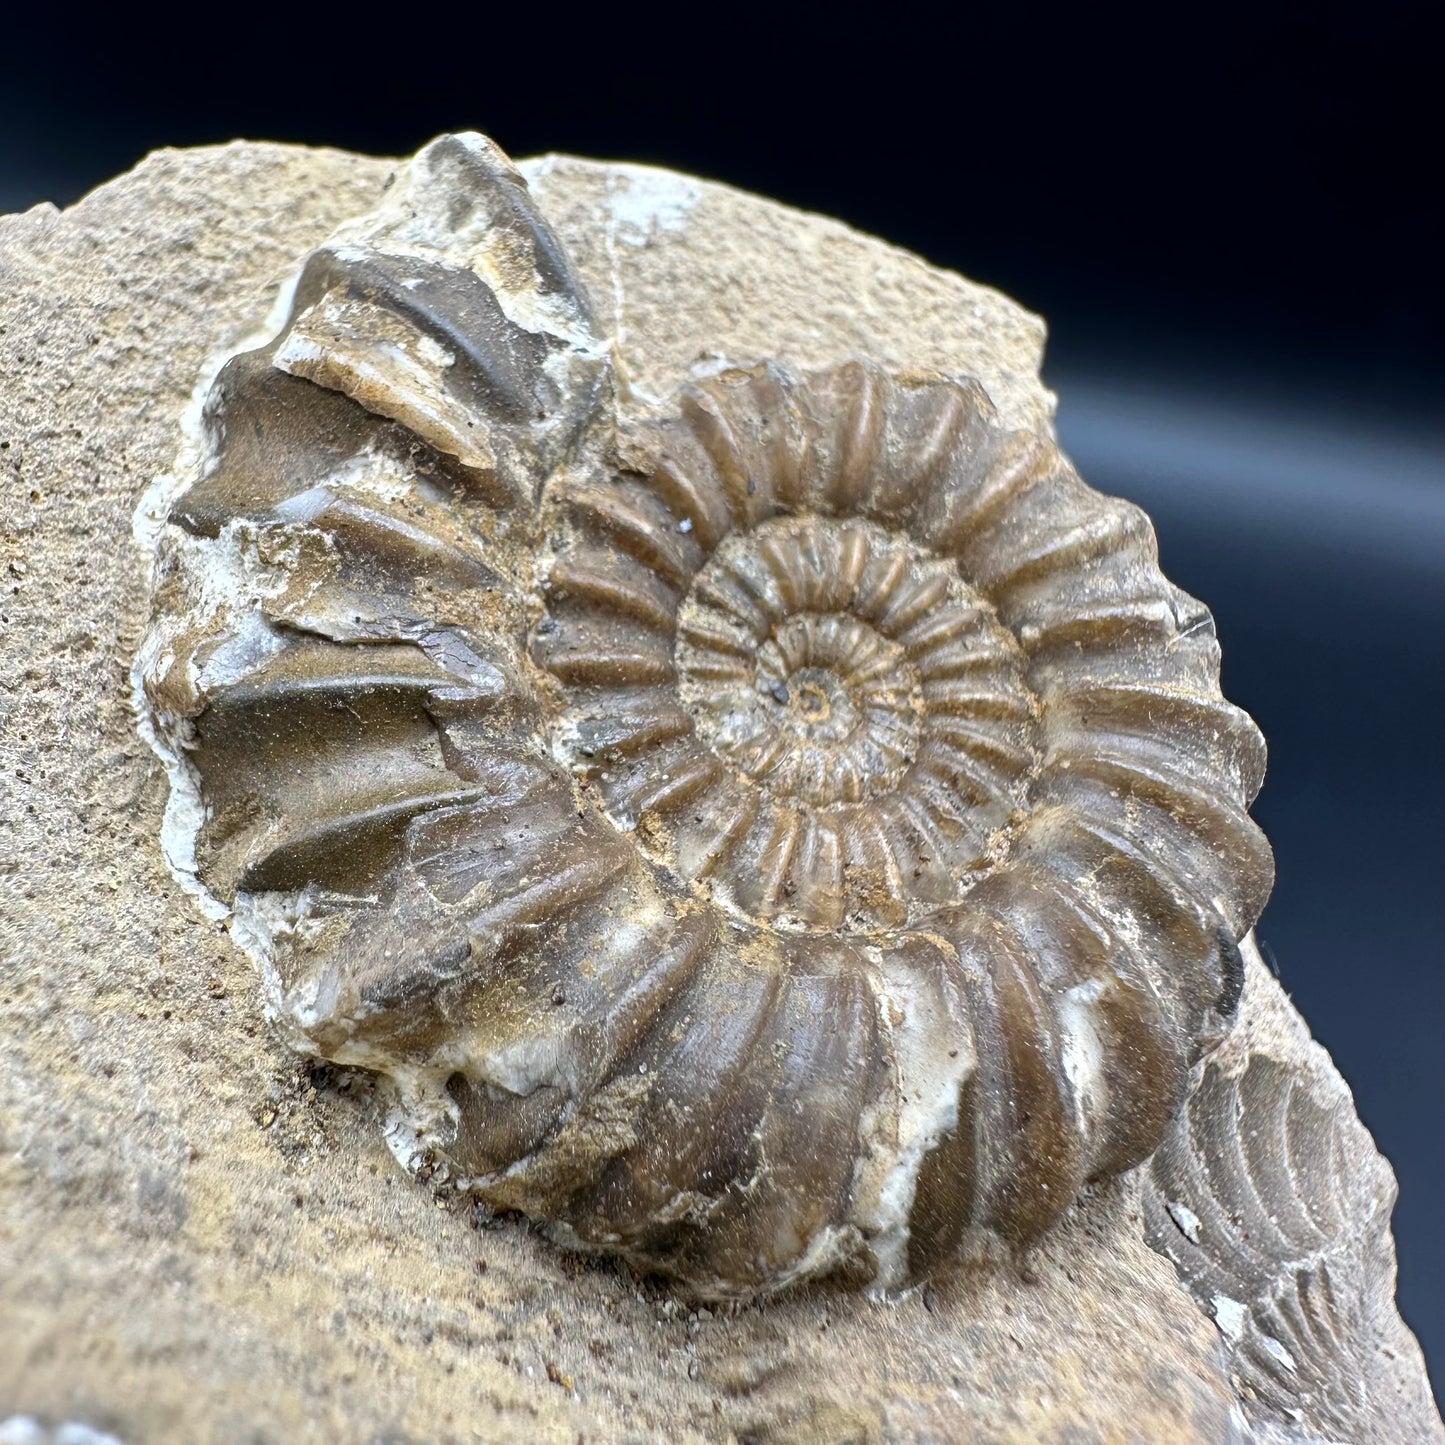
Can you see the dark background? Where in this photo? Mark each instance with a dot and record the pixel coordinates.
(1230, 220)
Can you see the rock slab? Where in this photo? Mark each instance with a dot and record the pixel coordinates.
(203, 1238)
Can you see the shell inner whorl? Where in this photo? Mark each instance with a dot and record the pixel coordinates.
(839, 693)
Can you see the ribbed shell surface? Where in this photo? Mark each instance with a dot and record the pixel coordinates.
(797, 832)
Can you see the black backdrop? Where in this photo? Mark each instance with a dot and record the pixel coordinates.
(1229, 219)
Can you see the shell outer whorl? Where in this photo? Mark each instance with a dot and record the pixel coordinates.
(796, 835)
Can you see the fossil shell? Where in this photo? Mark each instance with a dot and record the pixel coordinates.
(1271, 1200)
(793, 829)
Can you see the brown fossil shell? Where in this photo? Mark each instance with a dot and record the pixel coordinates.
(1270, 1198)
(798, 830)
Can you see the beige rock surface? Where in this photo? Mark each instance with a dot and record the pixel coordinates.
(202, 1238)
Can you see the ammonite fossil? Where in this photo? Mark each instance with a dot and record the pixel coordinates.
(793, 830)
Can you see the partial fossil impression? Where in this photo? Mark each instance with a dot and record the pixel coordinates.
(1270, 1198)
(790, 829)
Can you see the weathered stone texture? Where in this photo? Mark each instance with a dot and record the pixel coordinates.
(203, 1239)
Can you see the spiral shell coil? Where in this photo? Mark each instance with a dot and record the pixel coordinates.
(799, 832)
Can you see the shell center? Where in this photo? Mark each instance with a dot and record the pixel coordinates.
(785, 680)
